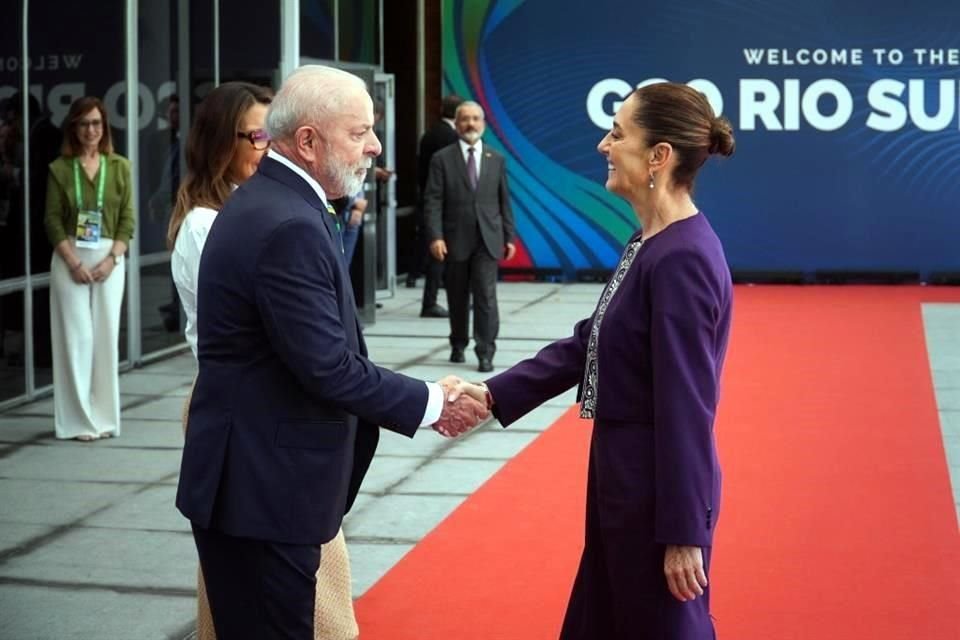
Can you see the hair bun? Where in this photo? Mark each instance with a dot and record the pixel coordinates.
(721, 137)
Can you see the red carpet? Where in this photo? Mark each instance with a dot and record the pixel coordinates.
(838, 521)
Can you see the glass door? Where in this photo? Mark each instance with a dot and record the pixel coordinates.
(176, 69)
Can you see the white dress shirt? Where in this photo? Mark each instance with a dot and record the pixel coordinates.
(297, 169)
(185, 265)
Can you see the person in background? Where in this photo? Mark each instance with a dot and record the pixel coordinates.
(648, 362)
(225, 146)
(351, 210)
(443, 133)
(89, 221)
(470, 223)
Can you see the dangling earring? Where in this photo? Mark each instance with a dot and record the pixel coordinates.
(651, 181)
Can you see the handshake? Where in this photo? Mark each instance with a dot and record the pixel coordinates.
(465, 405)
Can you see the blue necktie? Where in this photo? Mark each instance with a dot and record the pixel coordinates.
(472, 168)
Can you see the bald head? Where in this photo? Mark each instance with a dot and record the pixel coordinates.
(311, 94)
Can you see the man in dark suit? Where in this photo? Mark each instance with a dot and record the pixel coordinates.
(442, 134)
(282, 423)
(467, 206)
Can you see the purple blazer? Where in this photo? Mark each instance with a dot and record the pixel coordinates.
(660, 352)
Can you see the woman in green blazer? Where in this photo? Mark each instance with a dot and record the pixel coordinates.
(89, 221)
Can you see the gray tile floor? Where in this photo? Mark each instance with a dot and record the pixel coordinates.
(942, 326)
(91, 546)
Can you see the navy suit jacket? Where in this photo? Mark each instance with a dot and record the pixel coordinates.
(282, 422)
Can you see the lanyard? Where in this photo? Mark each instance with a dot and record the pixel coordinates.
(100, 186)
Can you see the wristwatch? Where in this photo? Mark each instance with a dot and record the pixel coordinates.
(116, 259)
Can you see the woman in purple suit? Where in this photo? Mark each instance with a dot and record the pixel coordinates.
(648, 363)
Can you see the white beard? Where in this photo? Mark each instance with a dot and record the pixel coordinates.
(349, 177)
(352, 182)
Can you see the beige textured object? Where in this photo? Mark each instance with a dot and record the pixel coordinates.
(205, 629)
(333, 616)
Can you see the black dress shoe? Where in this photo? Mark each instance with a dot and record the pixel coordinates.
(436, 311)
(411, 283)
(457, 356)
(486, 365)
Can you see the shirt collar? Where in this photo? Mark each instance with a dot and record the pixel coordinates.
(478, 145)
(300, 172)
(449, 121)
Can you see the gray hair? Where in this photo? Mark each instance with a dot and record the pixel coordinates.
(471, 103)
(309, 95)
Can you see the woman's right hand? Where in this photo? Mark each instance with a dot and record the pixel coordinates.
(81, 275)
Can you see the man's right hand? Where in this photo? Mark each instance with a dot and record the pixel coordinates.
(356, 212)
(438, 248)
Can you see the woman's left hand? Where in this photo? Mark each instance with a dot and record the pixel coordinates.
(103, 269)
(683, 567)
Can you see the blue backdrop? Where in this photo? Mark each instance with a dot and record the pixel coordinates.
(846, 117)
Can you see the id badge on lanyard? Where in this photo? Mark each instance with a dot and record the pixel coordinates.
(89, 220)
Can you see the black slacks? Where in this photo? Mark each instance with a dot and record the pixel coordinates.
(258, 589)
(477, 275)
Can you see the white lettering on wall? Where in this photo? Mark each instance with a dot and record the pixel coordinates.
(599, 93)
(621, 88)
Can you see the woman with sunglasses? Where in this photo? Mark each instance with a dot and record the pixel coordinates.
(226, 143)
(89, 221)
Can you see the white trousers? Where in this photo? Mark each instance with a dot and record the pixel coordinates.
(85, 328)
